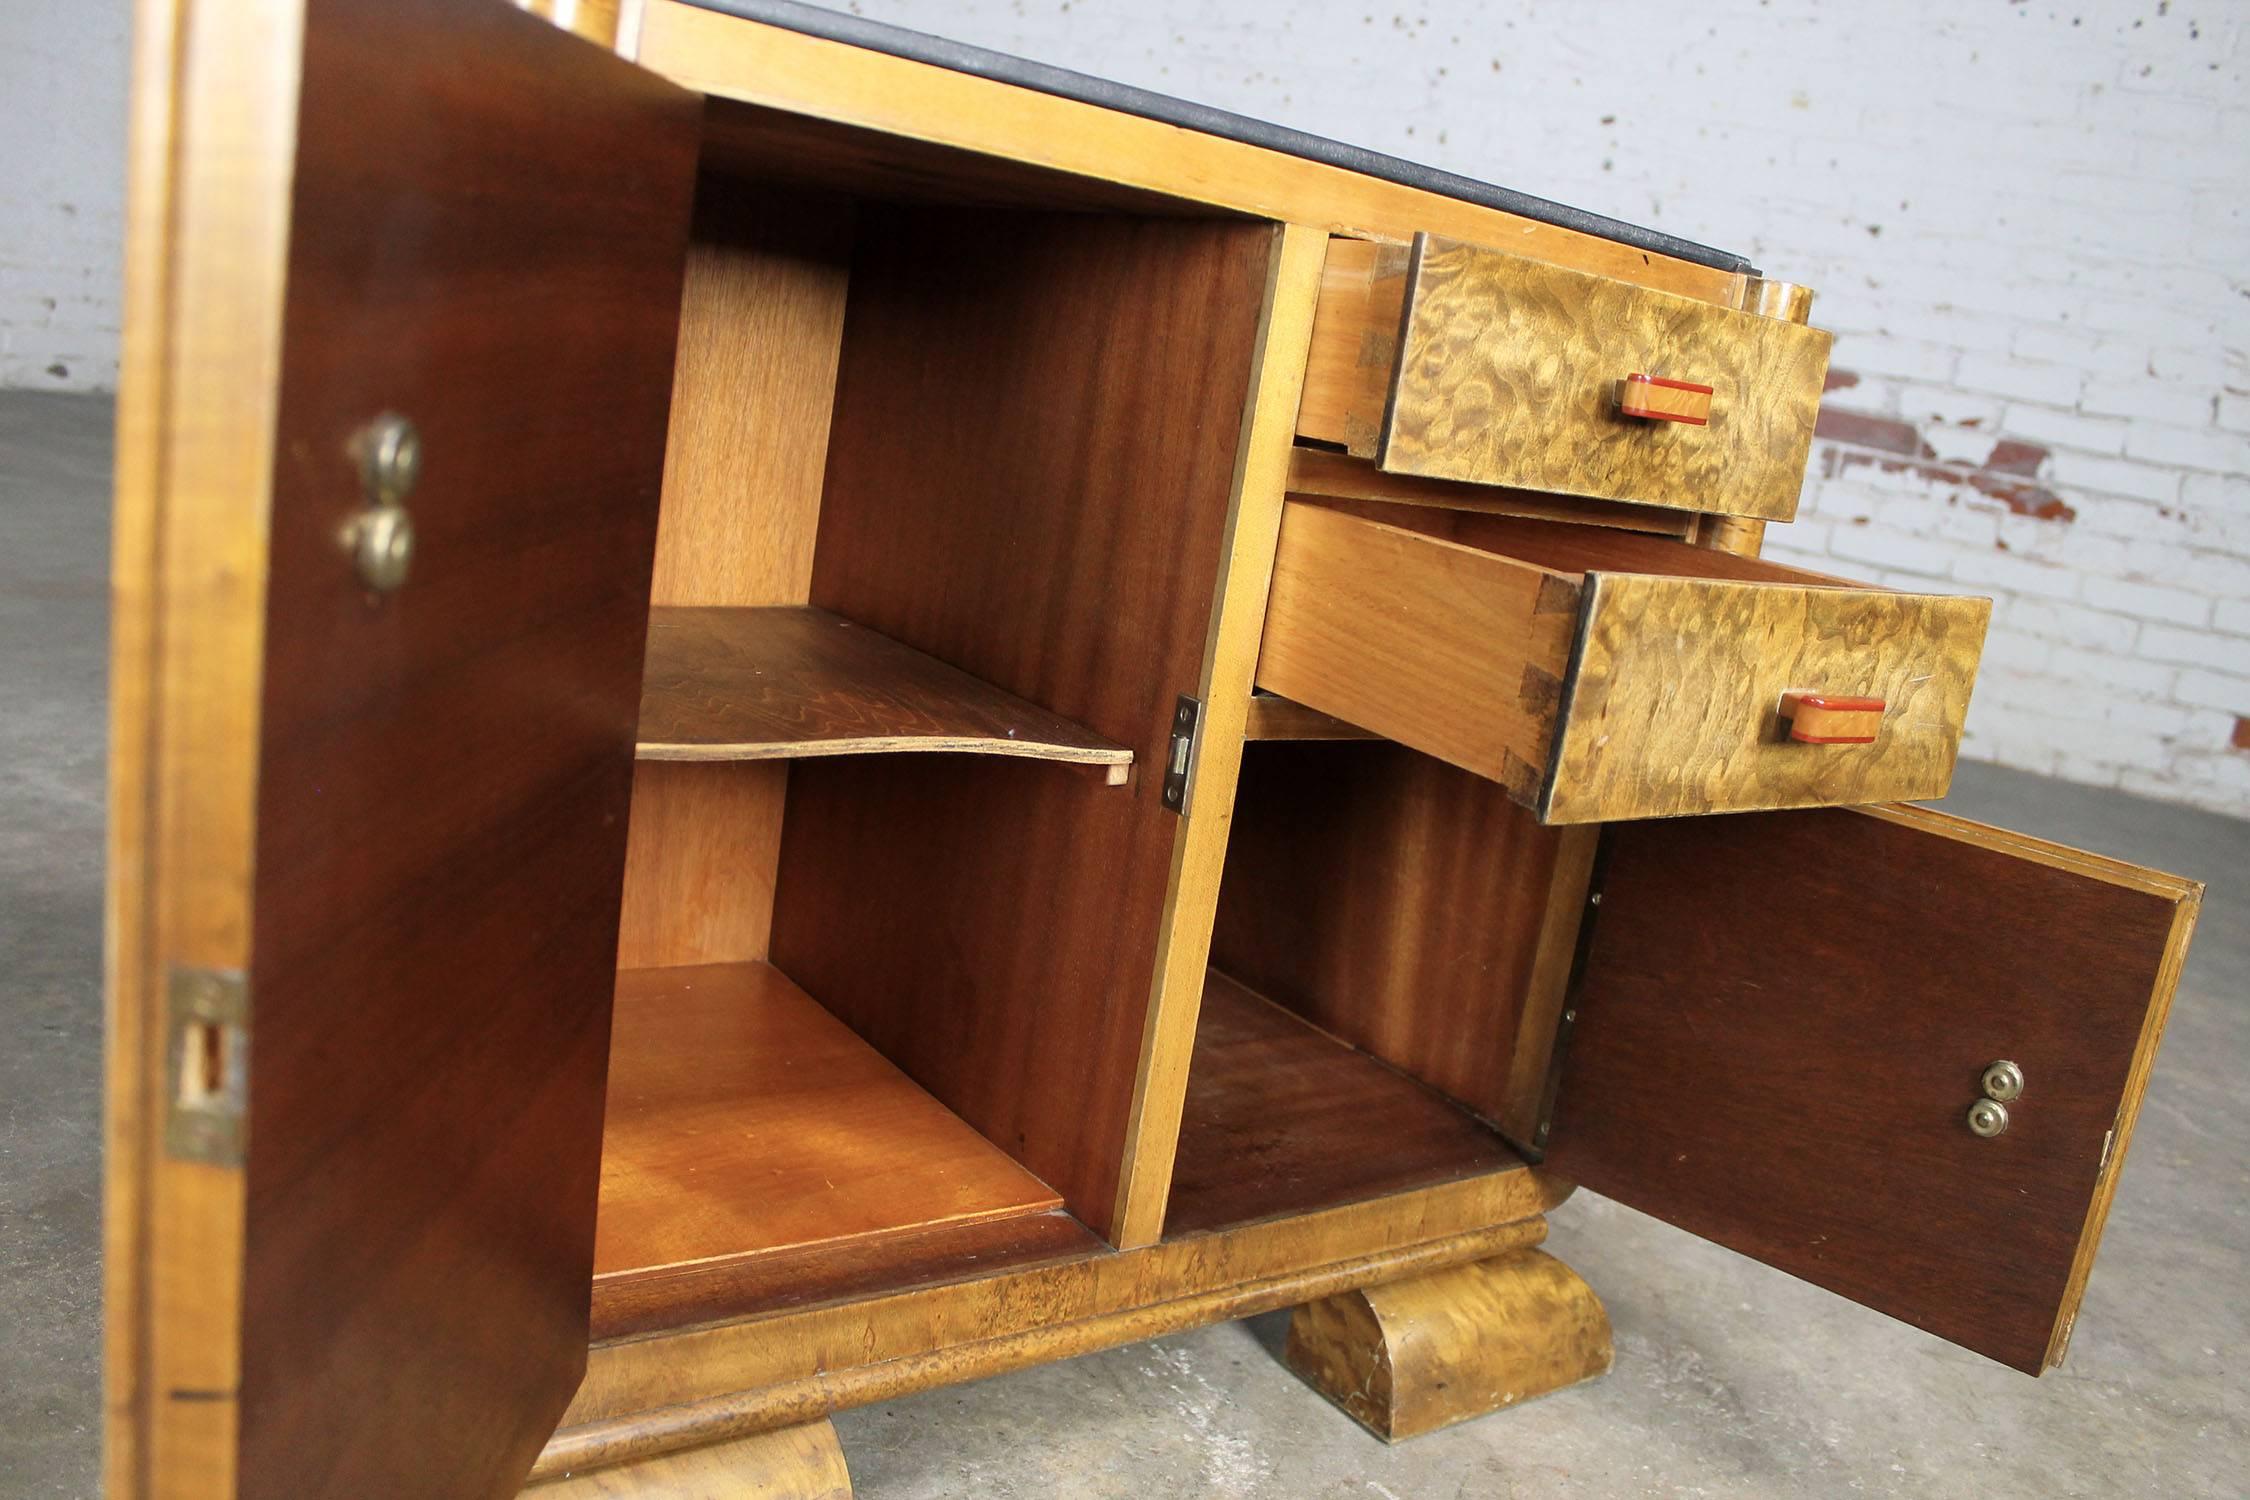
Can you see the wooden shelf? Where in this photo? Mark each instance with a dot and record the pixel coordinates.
(785, 683)
(1282, 1118)
(745, 1123)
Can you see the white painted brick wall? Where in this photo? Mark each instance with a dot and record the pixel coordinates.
(62, 191)
(2028, 223)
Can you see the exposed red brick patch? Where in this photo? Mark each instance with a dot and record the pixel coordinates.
(2241, 732)
(1838, 461)
(2033, 500)
(2013, 456)
(1861, 429)
(1858, 438)
(1840, 379)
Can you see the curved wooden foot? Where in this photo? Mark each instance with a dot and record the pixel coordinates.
(1409, 1356)
(793, 1463)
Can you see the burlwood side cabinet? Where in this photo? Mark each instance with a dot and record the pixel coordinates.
(800, 713)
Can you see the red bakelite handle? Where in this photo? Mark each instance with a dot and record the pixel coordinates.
(1652, 398)
(1829, 719)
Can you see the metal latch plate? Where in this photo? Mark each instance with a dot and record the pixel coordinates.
(1179, 759)
(207, 1071)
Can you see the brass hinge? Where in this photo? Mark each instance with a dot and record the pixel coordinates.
(207, 1070)
(1179, 759)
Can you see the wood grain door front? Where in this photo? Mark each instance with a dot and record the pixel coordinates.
(1784, 1021)
(388, 815)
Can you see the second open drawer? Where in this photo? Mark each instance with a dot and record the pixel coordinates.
(1601, 674)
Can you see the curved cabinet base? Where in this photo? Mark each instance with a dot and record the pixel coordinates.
(1407, 1357)
(788, 1463)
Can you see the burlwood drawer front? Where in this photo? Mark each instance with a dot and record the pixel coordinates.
(1600, 675)
(1452, 361)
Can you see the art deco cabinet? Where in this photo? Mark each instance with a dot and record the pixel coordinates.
(801, 713)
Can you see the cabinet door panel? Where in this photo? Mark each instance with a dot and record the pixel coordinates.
(1783, 1020)
(395, 819)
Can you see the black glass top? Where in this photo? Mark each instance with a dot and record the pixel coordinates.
(981, 62)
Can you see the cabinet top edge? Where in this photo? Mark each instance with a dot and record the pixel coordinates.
(1000, 67)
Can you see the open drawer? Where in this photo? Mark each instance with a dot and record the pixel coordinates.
(1601, 674)
(1452, 361)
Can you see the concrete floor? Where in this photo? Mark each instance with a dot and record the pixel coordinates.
(1730, 1379)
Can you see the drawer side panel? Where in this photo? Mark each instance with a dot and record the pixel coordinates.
(1455, 652)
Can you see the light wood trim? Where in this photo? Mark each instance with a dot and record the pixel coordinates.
(1237, 619)
(2128, 1114)
(1740, 535)
(1743, 535)
(1355, 344)
(708, 1385)
(738, 59)
(2040, 851)
(133, 643)
(1315, 471)
(213, 148)
(627, 1376)
(753, 389)
(595, 20)
(700, 851)
(1786, 300)
(804, 1462)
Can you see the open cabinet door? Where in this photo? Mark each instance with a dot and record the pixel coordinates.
(1783, 1021)
(368, 834)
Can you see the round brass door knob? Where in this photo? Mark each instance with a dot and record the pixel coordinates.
(390, 458)
(1988, 1118)
(383, 546)
(381, 537)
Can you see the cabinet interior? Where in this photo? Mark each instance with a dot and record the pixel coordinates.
(943, 517)
(1421, 923)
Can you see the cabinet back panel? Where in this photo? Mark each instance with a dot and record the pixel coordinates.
(1391, 899)
(761, 325)
(1033, 447)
